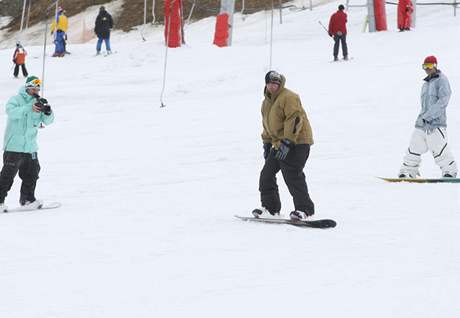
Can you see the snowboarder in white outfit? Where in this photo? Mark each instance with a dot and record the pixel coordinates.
(430, 128)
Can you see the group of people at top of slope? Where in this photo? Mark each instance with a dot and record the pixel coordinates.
(59, 27)
(287, 138)
(103, 25)
(102, 28)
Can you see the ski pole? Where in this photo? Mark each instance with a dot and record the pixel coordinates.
(320, 23)
(325, 29)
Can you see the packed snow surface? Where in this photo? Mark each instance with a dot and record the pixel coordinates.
(146, 228)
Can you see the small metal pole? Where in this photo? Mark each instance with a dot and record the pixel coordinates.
(281, 12)
(28, 14)
(271, 38)
(23, 14)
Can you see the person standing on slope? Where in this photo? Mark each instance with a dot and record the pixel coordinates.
(287, 137)
(103, 25)
(25, 111)
(19, 60)
(405, 10)
(430, 128)
(338, 30)
(59, 25)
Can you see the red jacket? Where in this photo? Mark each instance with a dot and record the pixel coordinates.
(19, 56)
(405, 9)
(338, 22)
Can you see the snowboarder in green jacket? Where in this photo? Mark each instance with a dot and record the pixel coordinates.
(26, 112)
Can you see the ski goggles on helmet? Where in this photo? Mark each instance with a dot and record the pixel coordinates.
(35, 83)
(273, 77)
(428, 66)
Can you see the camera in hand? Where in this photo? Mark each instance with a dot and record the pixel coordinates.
(42, 103)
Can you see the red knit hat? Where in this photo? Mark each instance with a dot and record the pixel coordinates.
(430, 59)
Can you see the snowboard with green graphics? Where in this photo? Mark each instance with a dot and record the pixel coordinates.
(422, 180)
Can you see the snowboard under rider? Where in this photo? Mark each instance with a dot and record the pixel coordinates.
(287, 137)
(26, 111)
(430, 127)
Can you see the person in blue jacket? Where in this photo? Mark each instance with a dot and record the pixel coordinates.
(26, 111)
(430, 133)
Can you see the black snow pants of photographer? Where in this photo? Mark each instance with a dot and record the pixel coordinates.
(28, 167)
(292, 170)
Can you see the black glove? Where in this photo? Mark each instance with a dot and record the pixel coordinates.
(267, 149)
(45, 108)
(283, 150)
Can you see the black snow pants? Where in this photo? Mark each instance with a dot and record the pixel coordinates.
(24, 70)
(28, 167)
(340, 39)
(292, 171)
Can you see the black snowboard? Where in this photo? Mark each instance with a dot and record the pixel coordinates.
(318, 224)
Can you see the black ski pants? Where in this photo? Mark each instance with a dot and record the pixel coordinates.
(24, 70)
(340, 39)
(28, 166)
(292, 171)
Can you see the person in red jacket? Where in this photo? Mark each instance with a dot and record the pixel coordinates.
(405, 9)
(19, 59)
(338, 30)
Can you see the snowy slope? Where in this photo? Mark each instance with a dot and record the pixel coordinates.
(149, 193)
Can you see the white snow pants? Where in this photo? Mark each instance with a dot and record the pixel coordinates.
(422, 142)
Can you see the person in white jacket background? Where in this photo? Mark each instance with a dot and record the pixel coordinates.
(430, 128)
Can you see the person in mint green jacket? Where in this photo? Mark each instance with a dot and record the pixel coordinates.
(26, 112)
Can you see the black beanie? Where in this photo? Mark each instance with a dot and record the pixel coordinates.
(273, 77)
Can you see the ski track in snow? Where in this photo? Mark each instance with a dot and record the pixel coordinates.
(147, 228)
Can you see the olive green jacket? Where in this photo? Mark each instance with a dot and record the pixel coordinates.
(283, 117)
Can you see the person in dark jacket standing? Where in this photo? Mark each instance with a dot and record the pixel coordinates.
(287, 137)
(104, 23)
(338, 30)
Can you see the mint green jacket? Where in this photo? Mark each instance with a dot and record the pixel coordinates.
(22, 126)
